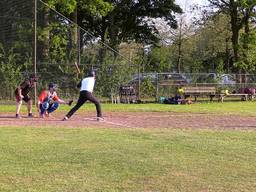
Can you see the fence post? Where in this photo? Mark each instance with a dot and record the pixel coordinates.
(157, 87)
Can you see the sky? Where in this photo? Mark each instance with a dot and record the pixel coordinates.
(186, 7)
(186, 3)
(161, 25)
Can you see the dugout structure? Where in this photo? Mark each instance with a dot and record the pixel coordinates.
(127, 94)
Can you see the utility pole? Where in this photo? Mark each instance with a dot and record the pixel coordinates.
(35, 48)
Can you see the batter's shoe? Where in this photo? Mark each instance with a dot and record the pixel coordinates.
(65, 119)
(100, 119)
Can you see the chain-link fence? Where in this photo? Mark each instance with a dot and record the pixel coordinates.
(64, 51)
(59, 51)
(16, 52)
(155, 85)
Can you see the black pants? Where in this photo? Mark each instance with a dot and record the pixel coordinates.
(83, 97)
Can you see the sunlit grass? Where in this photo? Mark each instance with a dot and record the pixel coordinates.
(72, 159)
(241, 108)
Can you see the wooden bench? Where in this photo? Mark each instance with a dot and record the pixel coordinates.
(199, 91)
(244, 96)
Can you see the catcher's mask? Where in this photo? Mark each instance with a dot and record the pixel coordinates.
(53, 86)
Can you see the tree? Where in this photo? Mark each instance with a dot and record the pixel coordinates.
(214, 44)
(47, 18)
(125, 20)
(160, 59)
(240, 12)
(66, 7)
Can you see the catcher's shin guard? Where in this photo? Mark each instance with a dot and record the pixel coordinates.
(53, 107)
(43, 107)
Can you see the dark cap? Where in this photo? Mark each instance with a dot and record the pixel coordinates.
(91, 73)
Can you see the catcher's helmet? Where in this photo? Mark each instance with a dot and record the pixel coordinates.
(91, 73)
(52, 85)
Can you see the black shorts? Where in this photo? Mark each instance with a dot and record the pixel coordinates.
(26, 98)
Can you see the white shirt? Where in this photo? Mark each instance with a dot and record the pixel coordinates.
(87, 84)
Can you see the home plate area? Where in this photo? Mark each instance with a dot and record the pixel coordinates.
(136, 120)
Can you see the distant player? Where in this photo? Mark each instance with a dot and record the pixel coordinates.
(49, 101)
(22, 93)
(86, 88)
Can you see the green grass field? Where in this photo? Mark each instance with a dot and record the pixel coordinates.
(67, 159)
(239, 108)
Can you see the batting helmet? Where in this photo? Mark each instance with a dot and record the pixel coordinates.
(91, 73)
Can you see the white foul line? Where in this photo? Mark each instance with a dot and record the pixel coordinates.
(109, 122)
(118, 124)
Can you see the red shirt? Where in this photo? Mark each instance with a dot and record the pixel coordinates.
(47, 96)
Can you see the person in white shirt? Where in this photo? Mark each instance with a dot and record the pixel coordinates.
(86, 88)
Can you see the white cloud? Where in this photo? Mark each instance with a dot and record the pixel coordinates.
(185, 4)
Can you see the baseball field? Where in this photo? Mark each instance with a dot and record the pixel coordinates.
(207, 147)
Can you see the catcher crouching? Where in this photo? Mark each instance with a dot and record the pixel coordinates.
(49, 101)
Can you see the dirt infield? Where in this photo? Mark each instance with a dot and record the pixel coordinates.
(137, 120)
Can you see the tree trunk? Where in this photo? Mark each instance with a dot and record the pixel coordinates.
(179, 57)
(43, 45)
(75, 42)
(179, 47)
(102, 48)
(246, 29)
(227, 60)
(235, 31)
(46, 42)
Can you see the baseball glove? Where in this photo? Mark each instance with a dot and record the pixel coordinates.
(70, 102)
